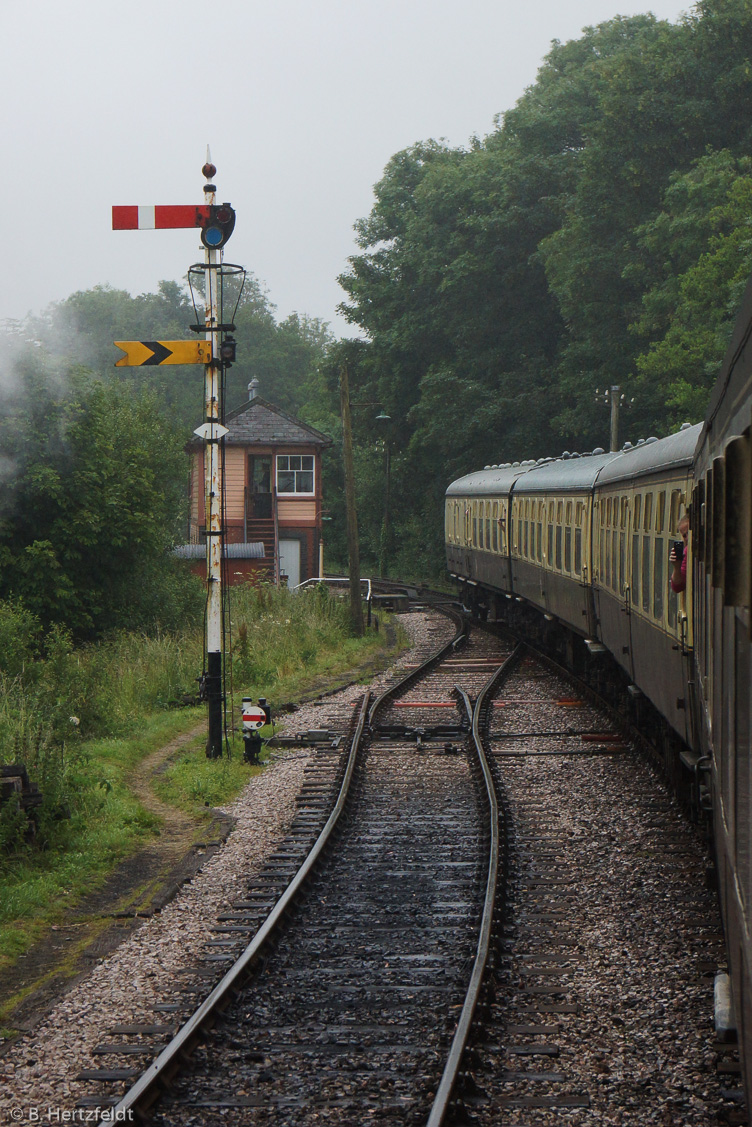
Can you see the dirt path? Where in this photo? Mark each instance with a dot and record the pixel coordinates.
(138, 887)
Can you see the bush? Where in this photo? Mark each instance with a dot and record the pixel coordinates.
(19, 637)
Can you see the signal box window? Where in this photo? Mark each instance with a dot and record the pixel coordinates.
(295, 473)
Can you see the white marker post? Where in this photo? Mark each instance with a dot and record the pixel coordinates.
(213, 454)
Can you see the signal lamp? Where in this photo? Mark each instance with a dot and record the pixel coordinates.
(227, 351)
(219, 226)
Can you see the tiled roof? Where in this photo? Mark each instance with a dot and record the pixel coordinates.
(258, 423)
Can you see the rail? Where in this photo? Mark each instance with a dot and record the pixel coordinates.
(144, 1092)
(450, 1076)
(455, 643)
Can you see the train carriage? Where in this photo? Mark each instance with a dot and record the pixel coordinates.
(721, 523)
(586, 542)
(477, 526)
(639, 500)
(551, 544)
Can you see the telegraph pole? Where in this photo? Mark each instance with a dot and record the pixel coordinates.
(616, 398)
(353, 551)
(615, 389)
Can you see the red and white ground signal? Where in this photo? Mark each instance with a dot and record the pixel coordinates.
(253, 716)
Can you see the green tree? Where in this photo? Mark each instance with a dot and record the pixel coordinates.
(703, 239)
(96, 503)
(79, 333)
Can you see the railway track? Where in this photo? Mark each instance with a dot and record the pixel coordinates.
(350, 1008)
(392, 993)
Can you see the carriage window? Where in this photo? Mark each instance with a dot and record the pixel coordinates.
(614, 540)
(550, 556)
(622, 562)
(648, 513)
(488, 530)
(673, 605)
(495, 527)
(660, 512)
(637, 511)
(578, 550)
(645, 580)
(607, 577)
(608, 511)
(527, 522)
(558, 547)
(569, 512)
(568, 548)
(539, 544)
(673, 513)
(624, 512)
(660, 581)
(634, 595)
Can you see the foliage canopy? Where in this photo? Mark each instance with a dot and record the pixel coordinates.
(598, 236)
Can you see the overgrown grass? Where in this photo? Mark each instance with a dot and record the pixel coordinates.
(81, 720)
(192, 782)
(284, 645)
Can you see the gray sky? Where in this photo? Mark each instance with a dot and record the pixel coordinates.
(302, 103)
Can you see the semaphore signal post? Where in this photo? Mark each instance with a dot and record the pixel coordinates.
(216, 352)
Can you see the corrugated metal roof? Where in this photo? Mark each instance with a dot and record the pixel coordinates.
(249, 551)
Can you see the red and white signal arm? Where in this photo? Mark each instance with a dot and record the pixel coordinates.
(159, 217)
(253, 717)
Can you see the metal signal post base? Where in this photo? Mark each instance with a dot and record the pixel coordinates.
(213, 689)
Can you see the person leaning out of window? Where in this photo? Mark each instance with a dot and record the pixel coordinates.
(678, 559)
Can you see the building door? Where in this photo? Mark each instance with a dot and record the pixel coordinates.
(289, 561)
(260, 477)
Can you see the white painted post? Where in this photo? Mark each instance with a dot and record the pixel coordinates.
(213, 486)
